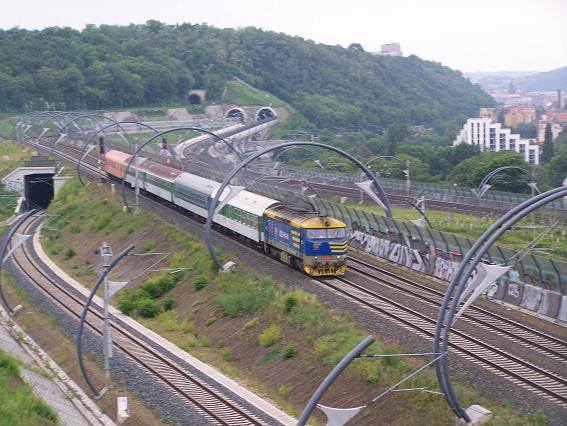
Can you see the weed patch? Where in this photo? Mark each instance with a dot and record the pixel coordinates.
(270, 335)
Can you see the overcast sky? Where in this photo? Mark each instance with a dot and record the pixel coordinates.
(493, 35)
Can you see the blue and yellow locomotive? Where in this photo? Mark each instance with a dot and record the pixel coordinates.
(316, 244)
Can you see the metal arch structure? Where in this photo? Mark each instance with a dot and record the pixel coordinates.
(50, 115)
(452, 298)
(245, 162)
(151, 139)
(5, 243)
(482, 187)
(102, 129)
(90, 116)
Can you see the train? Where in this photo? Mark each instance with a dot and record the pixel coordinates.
(302, 239)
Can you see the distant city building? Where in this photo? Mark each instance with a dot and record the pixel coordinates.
(556, 129)
(556, 117)
(488, 113)
(520, 114)
(390, 49)
(491, 137)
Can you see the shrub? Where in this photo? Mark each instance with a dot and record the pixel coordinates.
(156, 287)
(147, 308)
(241, 297)
(168, 303)
(289, 352)
(147, 245)
(284, 391)
(226, 353)
(200, 282)
(70, 253)
(9, 364)
(250, 324)
(270, 335)
(126, 305)
(290, 301)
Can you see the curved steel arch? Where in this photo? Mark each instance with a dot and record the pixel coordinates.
(117, 123)
(141, 147)
(252, 157)
(479, 189)
(87, 115)
(7, 239)
(459, 282)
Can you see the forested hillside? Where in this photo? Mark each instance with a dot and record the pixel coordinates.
(551, 80)
(122, 66)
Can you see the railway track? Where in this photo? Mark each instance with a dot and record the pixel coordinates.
(502, 363)
(218, 408)
(539, 341)
(525, 374)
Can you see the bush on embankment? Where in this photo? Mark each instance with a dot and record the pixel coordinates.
(276, 338)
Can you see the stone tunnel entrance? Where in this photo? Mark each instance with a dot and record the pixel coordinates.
(38, 190)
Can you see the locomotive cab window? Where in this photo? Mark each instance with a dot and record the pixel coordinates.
(314, 234)
(336, 233)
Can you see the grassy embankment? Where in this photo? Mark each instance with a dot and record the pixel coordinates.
(11, 157)
(18, 404)
(239, 94)
(279, 340)
(48, 334)
(472, 227)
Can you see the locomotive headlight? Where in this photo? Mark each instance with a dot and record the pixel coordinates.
(315, 257)
(338, 257)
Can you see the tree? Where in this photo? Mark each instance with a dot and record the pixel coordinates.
(547, 150)
(556, 169)
(356, 46)
(395, 134)
(526, 131)
(471, 171)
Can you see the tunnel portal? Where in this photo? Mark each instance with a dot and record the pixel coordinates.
(38, 190)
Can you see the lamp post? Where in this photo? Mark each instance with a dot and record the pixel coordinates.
(462, 293)
(108, 264)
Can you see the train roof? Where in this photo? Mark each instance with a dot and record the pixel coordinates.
(117, 156)
(252, 203)
(197, 183)
(302, 218)
(160, 170)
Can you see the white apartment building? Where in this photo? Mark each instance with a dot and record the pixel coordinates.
(492, 137)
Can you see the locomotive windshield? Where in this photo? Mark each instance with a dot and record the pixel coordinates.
(325, 233)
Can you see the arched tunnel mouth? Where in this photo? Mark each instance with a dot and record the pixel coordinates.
(194, 99)
(236, 113)
(38, 190)
(264, 113)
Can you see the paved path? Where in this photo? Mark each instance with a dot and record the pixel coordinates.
(52, 385)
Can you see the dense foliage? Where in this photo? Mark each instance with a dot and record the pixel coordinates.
(114, 66)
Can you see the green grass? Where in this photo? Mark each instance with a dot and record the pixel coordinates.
(240, 94)
(279, 322)
(11, 157)
(18, 404)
